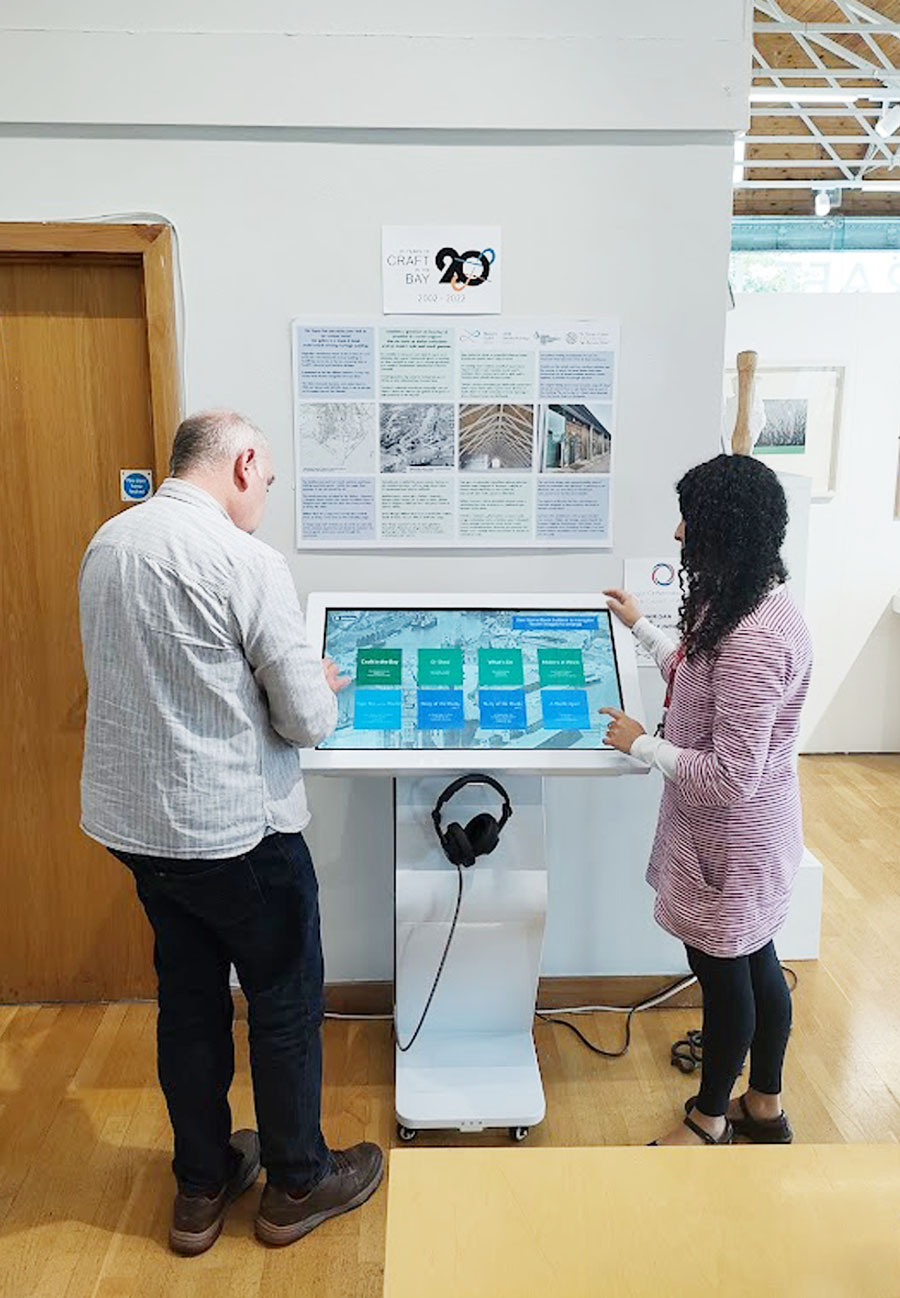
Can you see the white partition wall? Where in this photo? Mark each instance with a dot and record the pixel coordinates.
(277, 144)
(853, 570)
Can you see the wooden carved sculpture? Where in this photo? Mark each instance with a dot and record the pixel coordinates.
(742, 438)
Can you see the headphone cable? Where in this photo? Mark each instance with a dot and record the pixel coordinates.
(437, 977)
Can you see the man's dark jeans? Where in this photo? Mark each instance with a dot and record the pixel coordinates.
(260, 912)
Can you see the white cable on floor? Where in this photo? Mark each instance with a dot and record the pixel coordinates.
(623, 1009)
(542, 1010)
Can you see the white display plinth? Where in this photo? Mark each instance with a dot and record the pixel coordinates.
(473, 1065)
(800, 935)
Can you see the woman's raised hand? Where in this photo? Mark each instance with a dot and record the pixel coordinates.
(625, 606)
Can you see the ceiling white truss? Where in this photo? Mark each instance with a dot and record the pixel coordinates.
(801, 144)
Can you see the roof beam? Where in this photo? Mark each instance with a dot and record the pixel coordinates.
(881, 28)
(858, 186)
(796, 164)
(846, 71)
(819, 70)
(869, 40)
(810, 125)
(804, 139)
(864, 11)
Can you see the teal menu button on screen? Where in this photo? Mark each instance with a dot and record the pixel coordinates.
(561, 666)
(500, 667)
(440, 666)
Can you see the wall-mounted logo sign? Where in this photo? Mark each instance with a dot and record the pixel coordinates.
(135, 484)
(441, 270)
(663, 574)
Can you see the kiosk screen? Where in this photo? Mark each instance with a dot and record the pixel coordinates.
(472, 678)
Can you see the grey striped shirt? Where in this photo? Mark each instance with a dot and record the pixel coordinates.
(201, 684)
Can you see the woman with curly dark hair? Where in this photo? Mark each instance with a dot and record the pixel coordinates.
(729, 838)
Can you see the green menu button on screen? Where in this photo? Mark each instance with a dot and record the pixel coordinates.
(500, 667)
(561, 666)
(440, 667)
(378, 666)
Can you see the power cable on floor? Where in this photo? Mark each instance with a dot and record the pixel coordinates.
(650, 1002)
(690, 1048)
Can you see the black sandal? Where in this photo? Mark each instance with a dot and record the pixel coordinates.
(726, 1137)
(761, 1131)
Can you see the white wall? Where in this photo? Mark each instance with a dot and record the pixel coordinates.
(274, 224)
(570, 64)
(854, 543)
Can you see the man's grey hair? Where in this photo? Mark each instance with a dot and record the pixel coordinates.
(210, 437)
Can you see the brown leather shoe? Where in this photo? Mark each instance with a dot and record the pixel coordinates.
(354, 1177)
(197, 1219)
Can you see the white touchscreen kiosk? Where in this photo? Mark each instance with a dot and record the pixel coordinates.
(497, 682)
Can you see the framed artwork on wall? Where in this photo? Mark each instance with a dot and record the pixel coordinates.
(802, 409)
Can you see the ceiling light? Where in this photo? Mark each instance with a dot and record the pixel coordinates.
(801, 95)
(828, 199)
(889, 121)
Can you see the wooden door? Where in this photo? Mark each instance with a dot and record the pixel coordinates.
(75, 408)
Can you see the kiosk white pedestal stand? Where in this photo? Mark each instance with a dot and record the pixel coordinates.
(473, 1063)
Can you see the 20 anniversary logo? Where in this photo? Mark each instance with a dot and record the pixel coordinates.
(464, 269)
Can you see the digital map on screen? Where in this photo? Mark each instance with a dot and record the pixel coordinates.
(477, 678)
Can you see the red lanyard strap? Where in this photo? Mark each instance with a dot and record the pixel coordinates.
(670, 685)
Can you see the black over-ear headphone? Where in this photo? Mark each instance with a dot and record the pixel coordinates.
(482, 834)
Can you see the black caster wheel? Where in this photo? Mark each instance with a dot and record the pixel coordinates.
(406, 1134)
(518, 1134)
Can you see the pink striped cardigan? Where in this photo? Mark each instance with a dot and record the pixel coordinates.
(730, 838)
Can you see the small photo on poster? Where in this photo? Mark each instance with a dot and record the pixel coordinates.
(498, 436)
(416, 435)
(574, 438)
(337, 436)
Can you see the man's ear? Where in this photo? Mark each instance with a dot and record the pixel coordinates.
(243, 466)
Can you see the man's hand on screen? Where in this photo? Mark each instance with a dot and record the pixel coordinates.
(333, 676)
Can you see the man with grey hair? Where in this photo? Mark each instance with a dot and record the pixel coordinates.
(201, 689)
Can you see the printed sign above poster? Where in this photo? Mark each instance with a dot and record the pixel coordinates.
(441, 269)
(413, 434)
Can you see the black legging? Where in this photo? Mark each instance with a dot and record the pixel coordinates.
(746, 1006)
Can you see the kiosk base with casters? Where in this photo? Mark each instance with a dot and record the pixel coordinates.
(473, 1064)
(470, 1084)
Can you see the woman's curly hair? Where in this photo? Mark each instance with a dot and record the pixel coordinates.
(735, 517)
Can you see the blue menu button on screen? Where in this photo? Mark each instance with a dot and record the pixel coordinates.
(502, 709)
(439, 710)
(566, 710)
(378, 709)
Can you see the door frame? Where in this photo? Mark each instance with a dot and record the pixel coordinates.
(151, 245)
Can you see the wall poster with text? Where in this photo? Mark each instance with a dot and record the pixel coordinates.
(451, 434)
